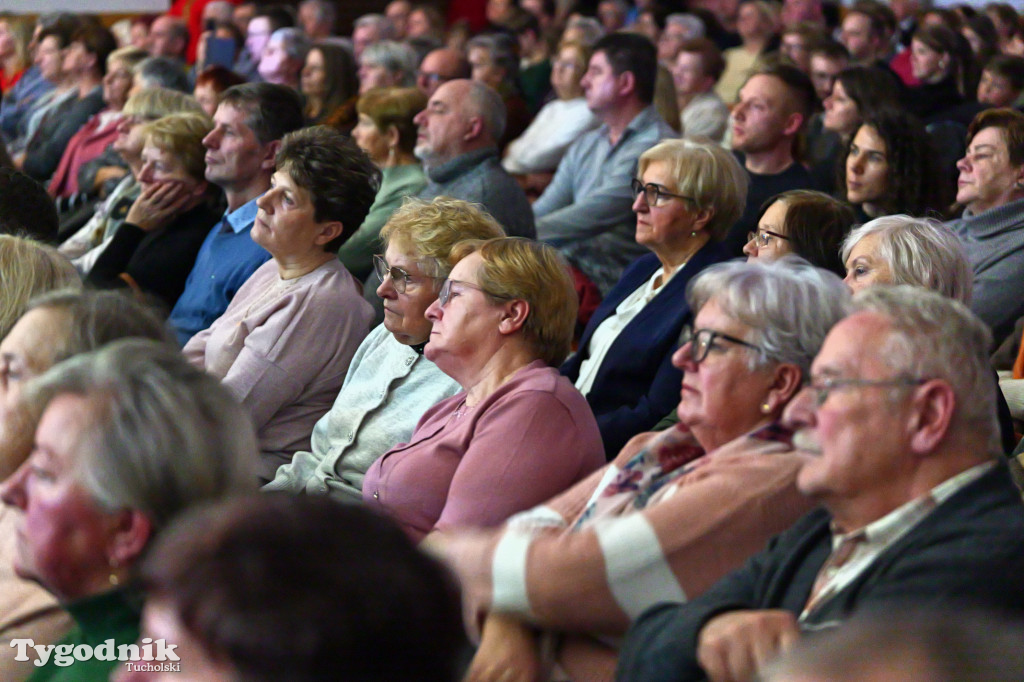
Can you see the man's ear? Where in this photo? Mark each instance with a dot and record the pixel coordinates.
(793, 124)
(933, 405)
(474, 128)
(268, 162)
(514, 317)
(626, 82)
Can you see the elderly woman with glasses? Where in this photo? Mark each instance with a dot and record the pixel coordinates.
(389, 384)
(688, 194)
(666, 523)
(519, 432)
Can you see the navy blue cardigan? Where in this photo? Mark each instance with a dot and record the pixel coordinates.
(636, 384)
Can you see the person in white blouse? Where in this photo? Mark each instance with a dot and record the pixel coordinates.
(559, 122)
(688, 195)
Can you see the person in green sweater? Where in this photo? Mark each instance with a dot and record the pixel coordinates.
(127, 437)
(387, 134)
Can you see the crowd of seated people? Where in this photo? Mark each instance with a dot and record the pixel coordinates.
(674, 330)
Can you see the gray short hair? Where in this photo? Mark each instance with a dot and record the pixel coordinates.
(162, 72)
(920, 251)
(295, 42)
(789, 305)
(936, 337)
(397, 58)
(590, 29)
(163, 435)
(693, 26)
(385, 29)
(485, 102)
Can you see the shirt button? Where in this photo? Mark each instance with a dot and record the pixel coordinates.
(323, 489)
(376, 494)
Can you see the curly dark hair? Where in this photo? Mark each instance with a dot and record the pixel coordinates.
(914, 184)
(338, 175)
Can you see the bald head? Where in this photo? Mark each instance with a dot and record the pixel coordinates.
(462, 116)
(439, 67)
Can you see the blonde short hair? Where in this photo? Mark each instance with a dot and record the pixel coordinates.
(154, 103)
(537, 273)
(182, 135)
(708, 174)
(429, 230)
(27, 269)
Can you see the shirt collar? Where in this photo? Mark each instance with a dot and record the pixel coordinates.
(242, 217)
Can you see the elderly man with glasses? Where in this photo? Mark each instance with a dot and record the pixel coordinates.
(897, 431)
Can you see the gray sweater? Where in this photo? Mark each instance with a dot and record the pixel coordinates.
(994, 241)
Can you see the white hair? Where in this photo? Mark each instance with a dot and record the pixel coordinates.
(936, 337)
(693, 26)
(789, 305)
(919, 251)
(397, 58)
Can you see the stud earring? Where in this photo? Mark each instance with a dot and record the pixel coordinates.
(114, 580)
(765, 408)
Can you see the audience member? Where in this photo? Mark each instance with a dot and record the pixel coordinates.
(557, 125)
(938, 62)
(864, 36)
(858, 92)
(890, 167)
(262, 25)
(386, 64)
(535, 59)
(277, 624)
(129, 436)
(284, 343)
(688, 195)
(796, 44)
(802, 11)
(697, 68)
(160, 72)
(586, 30)
(424, 21)
(248, 126)
(757, 24)
(25, 207)
(55, 326)
(774, 105)
(30, 268)
(457, 142)
(85, 64)
(980, 33)
(501, 323)
(828, 59)
(19, 94)
(331, 87)
(317, 18)
(679, 28)
(670, 517)
(368, 30)
(585, 211)
(85, 245)
(168, 37)
(439, 67)
(397, 12)
(1002, 81)
(494, 61)
(210, 83)
(927, 517)
(899, 249)
(100, 130)
(390, 383)
(387, 134)
(810, 224)
(155, 247)
(284, 56)
(991, 190)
